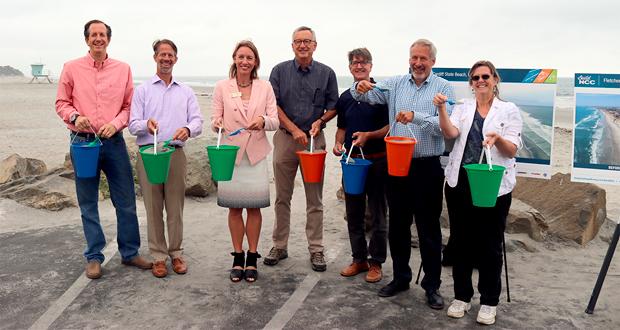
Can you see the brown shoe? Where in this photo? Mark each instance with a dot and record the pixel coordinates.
(138, 261)
(354, 268)
(179, 265)
(159, 269)
(93, 269)
(374, 273)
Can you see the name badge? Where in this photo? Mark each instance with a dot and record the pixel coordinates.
(235, 94)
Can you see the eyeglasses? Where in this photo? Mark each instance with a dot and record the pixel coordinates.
(362, 63)
(306, 42)
(484, 77)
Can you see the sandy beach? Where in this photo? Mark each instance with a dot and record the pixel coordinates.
(550, 282)
(611, 154)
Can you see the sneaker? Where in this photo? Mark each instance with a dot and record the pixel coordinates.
(275, 255)
(486, 315)
(458, 308)
(318, 261)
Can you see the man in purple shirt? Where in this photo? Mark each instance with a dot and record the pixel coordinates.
(164, 106)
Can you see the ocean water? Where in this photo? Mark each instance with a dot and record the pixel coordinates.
(588, 134)
(537, 132)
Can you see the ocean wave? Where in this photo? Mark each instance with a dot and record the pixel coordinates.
(590, 121)
(597, 137)
(536, 127)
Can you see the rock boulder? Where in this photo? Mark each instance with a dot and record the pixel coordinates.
(523, 218)
(15, 167)
(571, 210)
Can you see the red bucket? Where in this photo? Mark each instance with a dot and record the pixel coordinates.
(399, 154)
(312, 165)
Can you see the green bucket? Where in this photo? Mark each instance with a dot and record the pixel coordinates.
(156, 165)
(484, 183)
(222, 161)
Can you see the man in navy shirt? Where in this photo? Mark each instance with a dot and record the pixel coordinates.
(306, 92)
(364, 125)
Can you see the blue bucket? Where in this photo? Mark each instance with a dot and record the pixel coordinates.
(85, 158)
(354, 174)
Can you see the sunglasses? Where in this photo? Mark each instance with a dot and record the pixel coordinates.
(484, 77)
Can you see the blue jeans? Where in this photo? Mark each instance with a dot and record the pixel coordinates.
(114, 162)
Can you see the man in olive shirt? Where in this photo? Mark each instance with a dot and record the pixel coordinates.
(306, 93)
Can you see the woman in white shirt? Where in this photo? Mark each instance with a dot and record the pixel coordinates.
(478, 231)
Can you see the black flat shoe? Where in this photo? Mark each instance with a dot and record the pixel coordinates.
(434, 299)
(237, 275)
(251, 274)
(393, 288)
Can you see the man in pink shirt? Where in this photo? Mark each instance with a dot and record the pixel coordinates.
(93, 99)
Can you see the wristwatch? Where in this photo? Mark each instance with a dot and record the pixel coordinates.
(73, 118)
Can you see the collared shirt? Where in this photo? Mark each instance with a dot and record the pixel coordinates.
(356, 116)
(103, 94)
(401, 93)
(304, 94)
(503, 118)
(173, 107)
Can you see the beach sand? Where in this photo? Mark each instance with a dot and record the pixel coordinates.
(611, 154)
(550, 285)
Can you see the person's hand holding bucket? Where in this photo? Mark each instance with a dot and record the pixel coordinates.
(404, 116)
(360, 139)
(339, 149)
(82, 123)
(152, 125)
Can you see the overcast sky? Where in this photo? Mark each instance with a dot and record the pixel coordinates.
(571, 36)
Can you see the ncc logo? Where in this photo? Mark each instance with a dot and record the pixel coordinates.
(586, 80)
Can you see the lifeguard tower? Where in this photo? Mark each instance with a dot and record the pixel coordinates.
(38, 72)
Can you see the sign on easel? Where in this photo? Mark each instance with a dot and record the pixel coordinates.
(533, 91)
(596, 138)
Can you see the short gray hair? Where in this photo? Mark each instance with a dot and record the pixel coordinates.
(427, 43)
(304, 28)
(360, 52)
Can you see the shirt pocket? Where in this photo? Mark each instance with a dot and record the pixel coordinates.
(318, 98)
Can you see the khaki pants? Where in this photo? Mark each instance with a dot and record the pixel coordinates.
(170, 195)
(285, 164)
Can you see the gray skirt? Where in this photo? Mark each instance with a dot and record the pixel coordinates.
(249, 187)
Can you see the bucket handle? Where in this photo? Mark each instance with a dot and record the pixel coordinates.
(96, 137)
(392, 126)
(219, 137)
(486, 150)
(351, 151)
(155, 142)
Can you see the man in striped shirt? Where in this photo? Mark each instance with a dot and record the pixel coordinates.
(419, 194)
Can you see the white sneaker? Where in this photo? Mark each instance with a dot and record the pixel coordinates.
(486, 315)
(458, 308)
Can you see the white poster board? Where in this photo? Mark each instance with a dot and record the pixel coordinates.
(596, 133)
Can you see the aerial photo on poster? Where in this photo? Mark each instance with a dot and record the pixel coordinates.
(596, 142)
(533, 91)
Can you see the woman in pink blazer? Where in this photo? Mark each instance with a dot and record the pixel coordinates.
(244, 101)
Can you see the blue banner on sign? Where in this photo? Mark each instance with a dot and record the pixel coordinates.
(524, 76)
(597, 80)
(452, 74)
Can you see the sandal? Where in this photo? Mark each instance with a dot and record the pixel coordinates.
(237, 275)
(251, 274)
